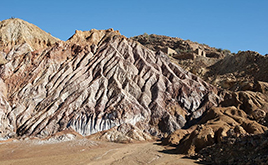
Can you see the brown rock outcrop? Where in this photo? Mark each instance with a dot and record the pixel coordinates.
(15, 31)
(255, 104)
(240, 114)
(251, 149)
(236, 72)
(239, 72)
(215, 124)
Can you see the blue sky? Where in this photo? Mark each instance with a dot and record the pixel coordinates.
(227, 24)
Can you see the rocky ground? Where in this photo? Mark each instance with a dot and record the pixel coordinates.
(251, 149)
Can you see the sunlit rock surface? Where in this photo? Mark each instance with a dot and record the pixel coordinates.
(93, 82)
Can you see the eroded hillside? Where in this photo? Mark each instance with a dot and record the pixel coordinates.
(224, 69)
(95, 81)
(102, 85)
(242, 80)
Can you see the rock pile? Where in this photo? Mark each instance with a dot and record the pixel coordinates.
(250, 149)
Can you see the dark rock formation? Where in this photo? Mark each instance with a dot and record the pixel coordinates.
(251, 149)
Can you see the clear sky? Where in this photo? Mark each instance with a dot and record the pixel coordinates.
(227, 24)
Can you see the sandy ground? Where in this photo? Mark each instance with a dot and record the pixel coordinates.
(84, 151)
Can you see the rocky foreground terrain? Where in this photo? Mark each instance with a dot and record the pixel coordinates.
(237, 150)
(103, 86)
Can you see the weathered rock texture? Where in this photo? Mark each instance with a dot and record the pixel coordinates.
(16, 31)
(240, 113)
(103, 84)
(221, 68)
(237, 150)
(93, 82)
(191, 56)
(243, 111)
(238, 72)
(214, 126)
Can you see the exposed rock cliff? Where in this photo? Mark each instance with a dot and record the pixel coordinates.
(95, 81)
(102, 83)
(243, 111)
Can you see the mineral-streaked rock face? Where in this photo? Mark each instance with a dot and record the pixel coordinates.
(95, 81)
(242, 112)
(236, 72)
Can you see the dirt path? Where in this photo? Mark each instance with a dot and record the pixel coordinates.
(84, 151)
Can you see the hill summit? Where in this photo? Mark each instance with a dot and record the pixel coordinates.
(15, 31)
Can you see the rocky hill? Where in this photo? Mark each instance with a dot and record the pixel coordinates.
(242, 71)
(219, 67)
(191, 56)
(95, 81)
(15, 31)
(102, 85)
(241, 112)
